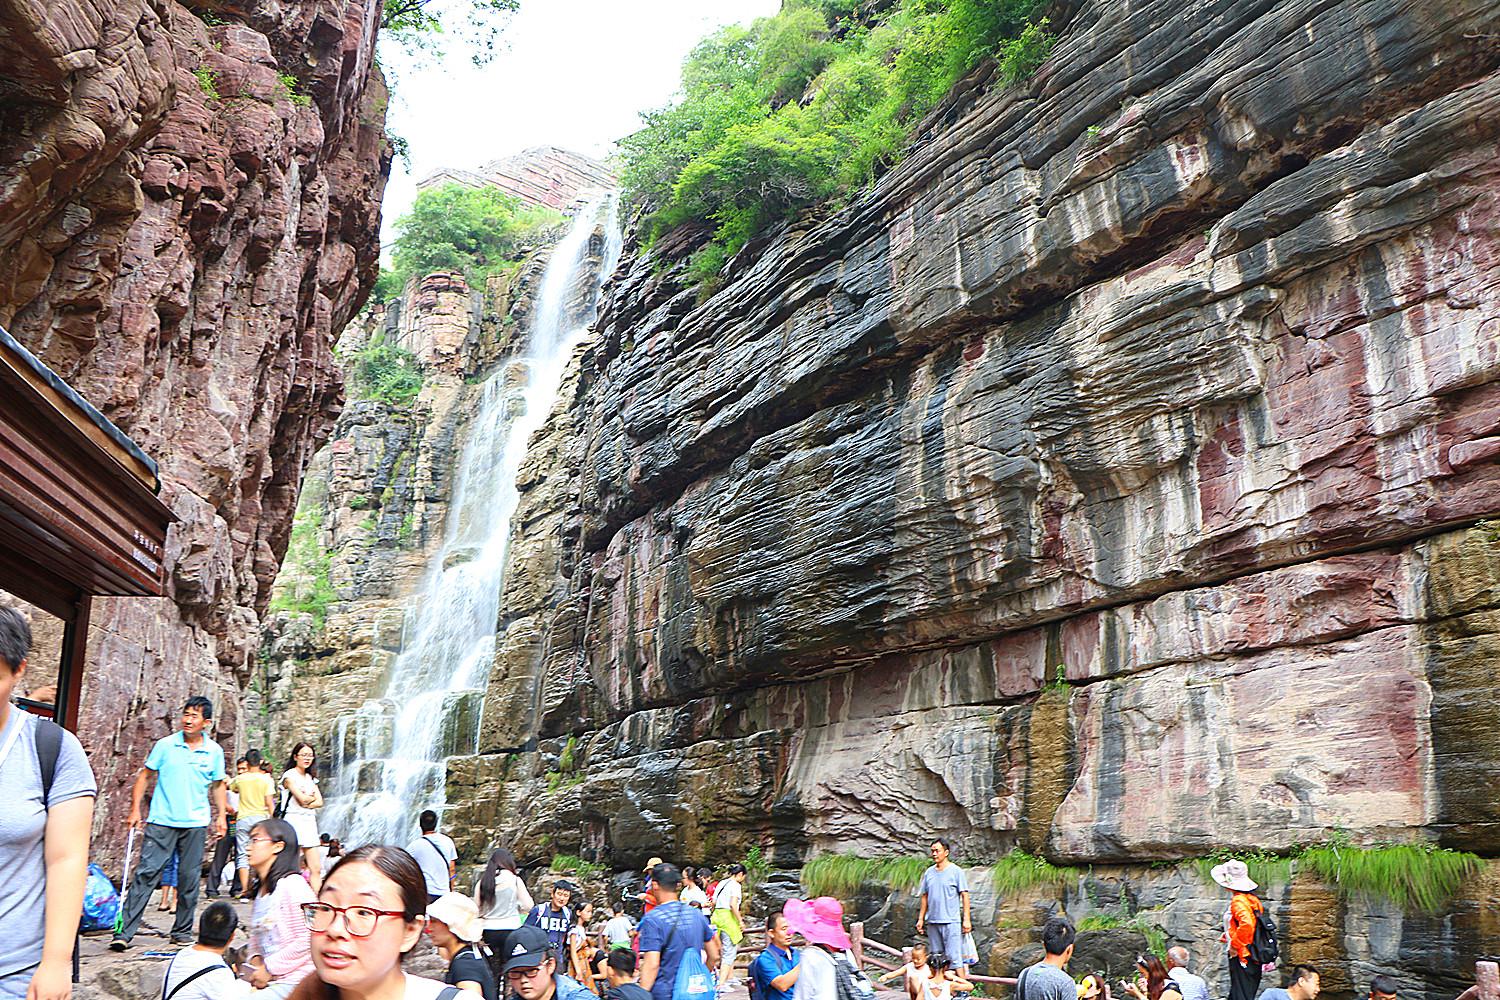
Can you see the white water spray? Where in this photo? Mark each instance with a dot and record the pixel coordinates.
(389, 758)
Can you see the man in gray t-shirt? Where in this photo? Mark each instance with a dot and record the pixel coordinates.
(31, 953)
(1047, 980)
(943, 913)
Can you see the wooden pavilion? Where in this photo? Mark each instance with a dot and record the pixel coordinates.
(79, 512)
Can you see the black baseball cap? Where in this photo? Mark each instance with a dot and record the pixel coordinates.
(529, 947)
(668, 876)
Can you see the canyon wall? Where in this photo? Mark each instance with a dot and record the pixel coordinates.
(375, 501)
(1110, 481)
(1107, 481)
(189, 209)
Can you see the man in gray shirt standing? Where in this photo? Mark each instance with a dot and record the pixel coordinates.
(1046, 980)
(943, 913)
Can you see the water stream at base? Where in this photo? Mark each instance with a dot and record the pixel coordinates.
(389, 757)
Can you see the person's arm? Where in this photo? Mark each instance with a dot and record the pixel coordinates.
(922, 908)
(893, 975)
(137, 795)
(968, 928)
(650, 965)
(960, 984)
(1241, 926)
(305, 801)
(469, 984)
(66, 852)
(221, 807)
(787, 979)
(293, 943)
(712, 951)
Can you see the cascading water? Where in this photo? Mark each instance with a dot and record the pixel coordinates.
(389, 756)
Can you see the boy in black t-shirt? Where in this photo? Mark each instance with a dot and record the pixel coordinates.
(621, 976)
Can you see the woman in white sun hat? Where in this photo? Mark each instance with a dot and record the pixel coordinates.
(454, 925)
(1239, 927)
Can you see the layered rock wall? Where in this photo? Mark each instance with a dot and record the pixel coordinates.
(375, 503)
(1108, 481)
(189, 204)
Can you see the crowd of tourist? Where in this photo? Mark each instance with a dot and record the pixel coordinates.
(324, 923)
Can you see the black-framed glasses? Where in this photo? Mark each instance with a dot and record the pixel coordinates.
(360, 920)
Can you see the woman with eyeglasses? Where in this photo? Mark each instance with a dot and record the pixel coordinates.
(368, 915)
(1152, 982)
(279, 956)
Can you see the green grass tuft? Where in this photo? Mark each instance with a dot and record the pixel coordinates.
(1265, 868)
(571, 864)
(1413, 876)
(208, 82)
(1019, 871)
(843, 875)
(1156, 938)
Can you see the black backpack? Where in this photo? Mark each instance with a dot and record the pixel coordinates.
(49, 740)
(1264, 949)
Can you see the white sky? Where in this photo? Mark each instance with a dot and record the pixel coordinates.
(571, 73)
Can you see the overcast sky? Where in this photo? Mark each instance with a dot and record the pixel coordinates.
(571, 73)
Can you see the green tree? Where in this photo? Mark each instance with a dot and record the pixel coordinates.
(419, 25)
(474, 230)
(803, 107)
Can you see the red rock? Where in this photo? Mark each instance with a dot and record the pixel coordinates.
(142, 257)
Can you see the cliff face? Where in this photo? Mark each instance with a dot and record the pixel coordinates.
(1103, 482)
(375, 503)
(189, 203)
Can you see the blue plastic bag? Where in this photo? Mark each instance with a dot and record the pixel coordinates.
(100, 901)
(694, 981)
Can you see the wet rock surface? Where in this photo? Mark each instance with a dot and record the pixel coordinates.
(1102, 482)
(1109, 481)
(182, 235)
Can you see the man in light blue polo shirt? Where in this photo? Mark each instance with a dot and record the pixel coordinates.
(189, 770)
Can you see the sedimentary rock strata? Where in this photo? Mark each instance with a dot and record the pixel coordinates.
(1110, 481)
(1101, 482)
(189, 200)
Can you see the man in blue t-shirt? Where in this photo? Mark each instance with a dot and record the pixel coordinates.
(189, 770)
(668, 931)
(944, 910)
(774, 970)
(555, 916)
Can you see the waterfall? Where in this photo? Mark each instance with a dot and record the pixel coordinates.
(389, 757)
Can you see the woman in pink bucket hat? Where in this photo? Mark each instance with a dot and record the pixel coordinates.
(821, 923)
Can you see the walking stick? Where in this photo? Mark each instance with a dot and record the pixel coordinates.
(125, 882)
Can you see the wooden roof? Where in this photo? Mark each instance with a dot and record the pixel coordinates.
(78, 507)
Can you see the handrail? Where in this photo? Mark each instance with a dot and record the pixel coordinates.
(861, 942)
(860, 945)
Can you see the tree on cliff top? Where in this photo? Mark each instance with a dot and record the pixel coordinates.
(804, 107)
(419, 24)
(474, 230)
